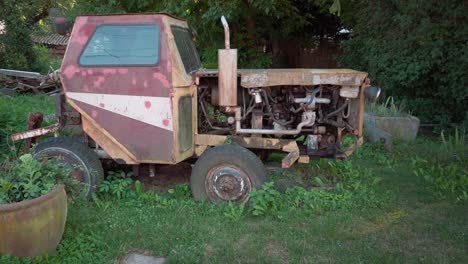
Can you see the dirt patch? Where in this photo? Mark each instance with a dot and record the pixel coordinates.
(167, 176)
(209, 250)
(276, 251)
(140, 257)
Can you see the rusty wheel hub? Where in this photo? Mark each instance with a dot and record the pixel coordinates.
(226, 183)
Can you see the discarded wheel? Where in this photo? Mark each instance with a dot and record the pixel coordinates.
(84, 164)
(227, 173)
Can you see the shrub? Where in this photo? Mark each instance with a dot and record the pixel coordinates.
(27, 178)
(415, 50)
(445, 169)
(387, 109)
(117, 184)
(45, 62)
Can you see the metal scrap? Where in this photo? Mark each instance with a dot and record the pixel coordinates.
(15, 81)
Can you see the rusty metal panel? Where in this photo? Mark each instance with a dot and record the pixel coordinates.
(275, 77)
(251, 78)
(35, 132)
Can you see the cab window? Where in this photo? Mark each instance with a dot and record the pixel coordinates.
(122, 45)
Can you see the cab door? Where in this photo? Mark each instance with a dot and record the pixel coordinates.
(117, 74)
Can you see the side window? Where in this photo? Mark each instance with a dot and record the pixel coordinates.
(122, 45)
(186, 47)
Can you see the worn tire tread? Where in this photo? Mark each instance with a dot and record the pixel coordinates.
(80, 149)
(233, 154)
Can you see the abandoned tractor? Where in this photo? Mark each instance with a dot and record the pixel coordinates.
(134, 91)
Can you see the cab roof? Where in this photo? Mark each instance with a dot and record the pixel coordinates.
(134, 14)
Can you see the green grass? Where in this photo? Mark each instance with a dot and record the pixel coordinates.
(388, 108)
(14, 114)
(383, 212)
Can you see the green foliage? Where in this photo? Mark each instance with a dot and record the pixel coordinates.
(265, 200)
(45, 63)
(181, 191)
(346, 204)
(27, 179)
(455, 145)
(14, 114)
(443, 180)
(255, 25)
(340, 185)
(415, 50)
(234, 212)
(20, 18)
(387, 109)
(445, 171)
(117, 184)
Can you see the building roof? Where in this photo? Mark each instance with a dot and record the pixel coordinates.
(50, 39)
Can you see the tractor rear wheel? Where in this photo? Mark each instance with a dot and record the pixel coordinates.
(227, 173)
(83, 163)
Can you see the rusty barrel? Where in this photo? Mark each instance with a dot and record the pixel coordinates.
(33, 227)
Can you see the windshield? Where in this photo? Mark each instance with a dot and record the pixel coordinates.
(120, 45)
(186, 47)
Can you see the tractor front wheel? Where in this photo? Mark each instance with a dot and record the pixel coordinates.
(83, 163)
(227, 173)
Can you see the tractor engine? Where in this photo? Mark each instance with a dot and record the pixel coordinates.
(319, 116)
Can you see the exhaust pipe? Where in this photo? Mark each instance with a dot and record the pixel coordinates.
(227, 44)
(227, 66)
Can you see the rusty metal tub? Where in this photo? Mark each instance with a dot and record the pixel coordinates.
(33, 227)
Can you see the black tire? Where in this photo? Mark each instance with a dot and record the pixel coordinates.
(83, 162)
(226, 173)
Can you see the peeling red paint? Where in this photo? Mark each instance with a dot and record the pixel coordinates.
(109, 71)
(169, 66)
(80, 39)
(154, 81)
(99, 81)
(102, 105)
(70, 71)
(161, 78)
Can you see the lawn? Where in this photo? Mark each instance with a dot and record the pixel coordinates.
(410, 206)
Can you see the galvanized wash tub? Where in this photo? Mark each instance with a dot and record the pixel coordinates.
(33, 227)
(404, 127)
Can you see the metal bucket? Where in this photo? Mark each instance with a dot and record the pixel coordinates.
(33, 227)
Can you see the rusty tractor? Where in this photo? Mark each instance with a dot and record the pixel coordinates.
(134, 91)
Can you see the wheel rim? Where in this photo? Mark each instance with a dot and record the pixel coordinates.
(228, 183)
(70, 161)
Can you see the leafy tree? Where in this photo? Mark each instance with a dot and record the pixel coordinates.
(416, 50)
(19, 18)
(255, 25)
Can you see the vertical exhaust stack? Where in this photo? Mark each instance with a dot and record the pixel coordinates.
(227, 65)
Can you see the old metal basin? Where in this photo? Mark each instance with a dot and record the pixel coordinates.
(34, 227)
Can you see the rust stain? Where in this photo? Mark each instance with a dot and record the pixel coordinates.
(35, 132)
